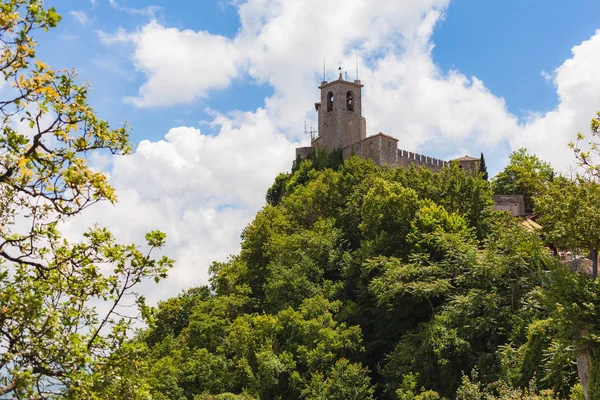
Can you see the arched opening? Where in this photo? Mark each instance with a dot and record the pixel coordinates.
(350, 101)
(329, 101)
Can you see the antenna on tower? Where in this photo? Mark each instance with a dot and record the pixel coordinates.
(324, 80)
(340, 68)
(357, 66)
(310, 131)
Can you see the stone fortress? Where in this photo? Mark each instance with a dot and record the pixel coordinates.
(342, 126)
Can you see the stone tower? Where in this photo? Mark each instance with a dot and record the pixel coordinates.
(341, 123)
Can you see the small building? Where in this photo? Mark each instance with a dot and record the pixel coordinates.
(467, 163)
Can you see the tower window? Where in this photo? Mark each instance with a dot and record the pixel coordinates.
(350, 101)
(329, 101)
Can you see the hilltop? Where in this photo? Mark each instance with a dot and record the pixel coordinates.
(361, 282)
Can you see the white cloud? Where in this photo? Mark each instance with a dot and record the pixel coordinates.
(81, 17)
(413, 100)
(180, 66)
(149, 11)
(201, 190)
(577, 83)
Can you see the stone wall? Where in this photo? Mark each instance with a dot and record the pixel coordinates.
(469, 165)
(382, 149)
(514, 204)
(303, 152)
(406, 158)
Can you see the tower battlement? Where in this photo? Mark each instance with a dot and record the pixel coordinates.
(406, 158)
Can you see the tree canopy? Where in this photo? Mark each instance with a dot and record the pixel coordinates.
(570, 214)
(370, 282)
(525, 174)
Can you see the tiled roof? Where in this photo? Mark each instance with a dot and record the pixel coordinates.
(530, 225)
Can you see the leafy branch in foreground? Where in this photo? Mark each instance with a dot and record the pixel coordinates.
(54, 341)
(585, 157)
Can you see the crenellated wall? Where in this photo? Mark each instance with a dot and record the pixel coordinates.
(406, 158)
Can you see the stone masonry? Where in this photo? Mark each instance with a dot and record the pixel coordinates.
(342, 126)
(514, 204)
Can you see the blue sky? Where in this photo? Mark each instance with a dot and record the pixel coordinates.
(508, 43)
(217, 93)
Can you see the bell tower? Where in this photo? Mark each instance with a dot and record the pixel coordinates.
(341, 123)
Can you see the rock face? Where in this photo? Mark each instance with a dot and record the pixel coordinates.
(342, 126)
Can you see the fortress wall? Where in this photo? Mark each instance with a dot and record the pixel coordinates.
(382, 149)
(408, 158)
(303, 152)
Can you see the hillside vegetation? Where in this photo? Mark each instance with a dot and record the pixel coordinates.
(361, 282)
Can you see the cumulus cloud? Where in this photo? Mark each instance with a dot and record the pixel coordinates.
(180, 66)
(577, 83)
(201, 190)
(406, 95)
(286, 43)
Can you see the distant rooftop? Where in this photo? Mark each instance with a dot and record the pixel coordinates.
(466, 158)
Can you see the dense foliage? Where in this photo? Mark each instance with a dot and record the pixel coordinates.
(525, 174)
(364, 282)
(570, 213)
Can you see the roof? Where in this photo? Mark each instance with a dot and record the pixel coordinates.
(381, 134)
(466, 158)
(530, 225)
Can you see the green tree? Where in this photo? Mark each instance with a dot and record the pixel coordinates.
(571, 301)
(345, 381)
(55, 343)
(267, 356)
(570, 215)
(525, 174)
(471, 299)
(387, 212)
(455, 190)
(483, 168)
